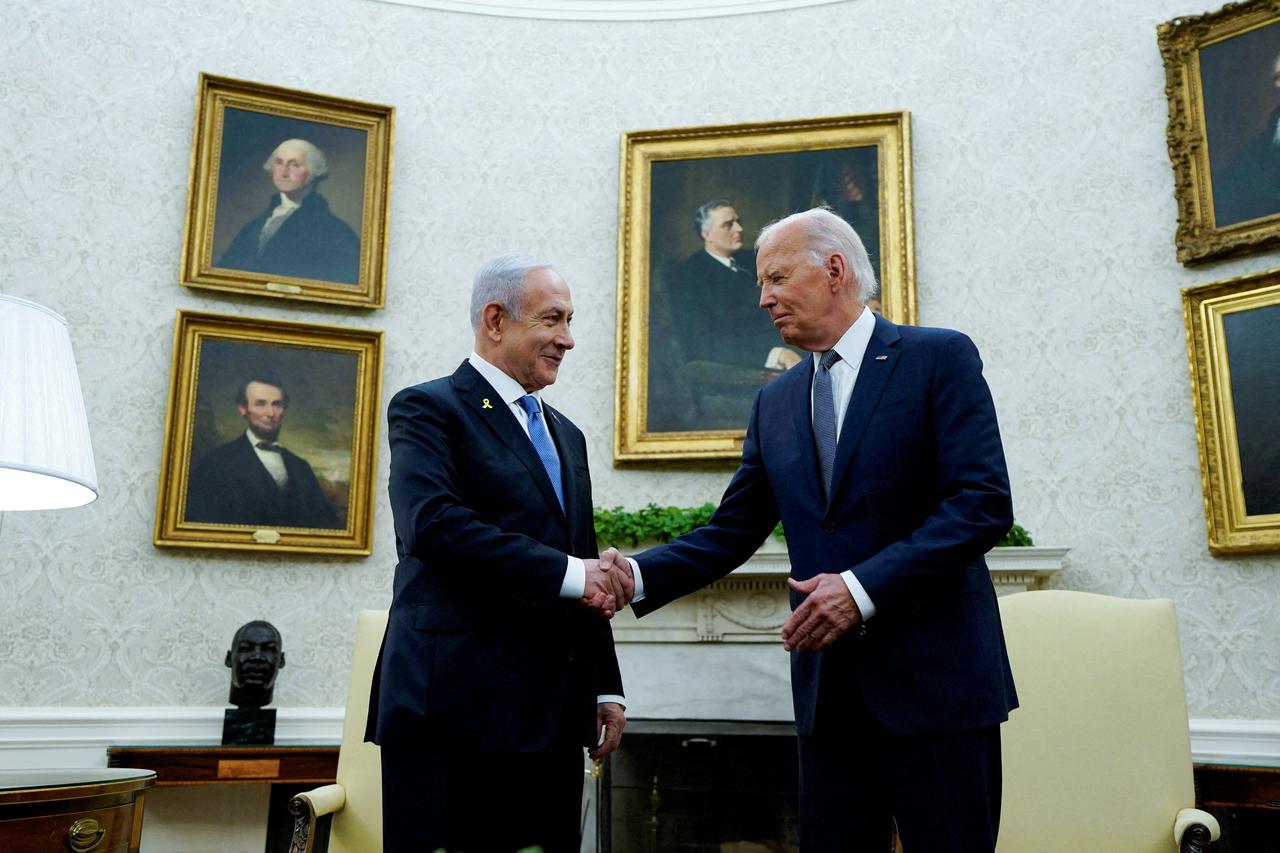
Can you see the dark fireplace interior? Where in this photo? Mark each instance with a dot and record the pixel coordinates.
(698, 786)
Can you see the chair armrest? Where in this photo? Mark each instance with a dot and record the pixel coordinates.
(308, 806)
(1194, 830)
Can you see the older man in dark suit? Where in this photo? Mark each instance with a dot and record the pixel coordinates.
(253, 479)
(498, 664)
(882, 457)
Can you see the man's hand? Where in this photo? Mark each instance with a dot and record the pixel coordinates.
(611, 719)
(609, 583)
(827, 612)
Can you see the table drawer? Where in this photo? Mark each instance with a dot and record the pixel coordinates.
(52, 833)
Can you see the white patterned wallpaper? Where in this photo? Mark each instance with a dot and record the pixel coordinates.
(1044, 223)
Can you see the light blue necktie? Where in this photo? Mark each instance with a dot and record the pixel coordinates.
(542, 444)
(824, 419)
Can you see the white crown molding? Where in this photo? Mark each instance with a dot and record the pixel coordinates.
(611, 10)
(79, 737)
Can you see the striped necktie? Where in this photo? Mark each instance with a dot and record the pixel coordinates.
(824, 419)
(542, 444)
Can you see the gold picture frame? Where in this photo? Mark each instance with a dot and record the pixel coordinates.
(1223, 114)
(236, 472)
(675, 402)
(1233, 346)
(332, 247)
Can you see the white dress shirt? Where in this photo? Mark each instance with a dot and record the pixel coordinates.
(283, 211)
(270, 459)
(575, 574)
(852, 346)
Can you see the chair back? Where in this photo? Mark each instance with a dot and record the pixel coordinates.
(1097, 756)
(357, 828)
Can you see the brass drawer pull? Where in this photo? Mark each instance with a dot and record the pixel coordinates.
(85, 836)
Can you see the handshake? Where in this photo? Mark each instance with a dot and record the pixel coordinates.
(609, 583)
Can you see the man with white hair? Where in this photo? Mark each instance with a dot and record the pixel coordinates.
(297, 235)
(882, 457)
(498, 664)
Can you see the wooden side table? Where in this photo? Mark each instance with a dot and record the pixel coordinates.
(83, 811)
(287, 769)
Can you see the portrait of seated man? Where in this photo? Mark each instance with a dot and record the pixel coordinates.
(253, 479)
(727, 344)
(296, 234)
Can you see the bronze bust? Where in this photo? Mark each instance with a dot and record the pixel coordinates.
(255, 658)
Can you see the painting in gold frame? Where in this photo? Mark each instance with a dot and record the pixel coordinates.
(679, 397)
(1221, 73)
(288, 194)
(269, 436)
(1233, 344)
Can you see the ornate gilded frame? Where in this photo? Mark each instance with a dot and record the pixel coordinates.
(1198, 237)
(215, 95)
(294, 343)
(1231, 528)
(890, 137)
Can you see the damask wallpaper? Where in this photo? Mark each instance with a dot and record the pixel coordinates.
(1044, 220)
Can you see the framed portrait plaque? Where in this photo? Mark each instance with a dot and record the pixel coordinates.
(269, 436)
(288, 194)
(693, 345)
(1233, 345)
(1222, 73)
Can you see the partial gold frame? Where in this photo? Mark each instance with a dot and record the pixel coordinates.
(213, 96)
(1197, 238)
(191, 329)
(889, 132)
(1231, 529)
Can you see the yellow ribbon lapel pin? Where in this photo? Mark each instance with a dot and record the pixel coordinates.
(485, 404)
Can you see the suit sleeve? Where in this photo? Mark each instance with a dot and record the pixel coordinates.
(973, 507)
(746, 515)
(434, 525)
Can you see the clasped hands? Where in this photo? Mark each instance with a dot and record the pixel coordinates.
(609, 583)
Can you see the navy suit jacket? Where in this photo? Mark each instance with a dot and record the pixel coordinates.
(920, 495)
(480, 649)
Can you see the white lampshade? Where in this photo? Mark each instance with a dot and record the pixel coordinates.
(46, 460)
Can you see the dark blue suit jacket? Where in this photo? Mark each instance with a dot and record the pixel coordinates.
(480, 649)
(921, 494)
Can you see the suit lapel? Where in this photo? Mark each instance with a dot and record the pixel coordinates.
(873, 375)
(497, 416)
(569, 462)
(798, 400)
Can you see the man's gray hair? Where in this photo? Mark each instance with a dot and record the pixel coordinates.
(502, 280)
(702, 216)
(317, 163)
(825, 235)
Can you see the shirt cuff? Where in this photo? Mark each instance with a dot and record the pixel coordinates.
(639, 581)
(609, 697)
(859, 594)
(575, 578)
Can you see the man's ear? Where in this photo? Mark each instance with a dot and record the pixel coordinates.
(836, 269)
(282, 660)
(491, 321)
(227, 662)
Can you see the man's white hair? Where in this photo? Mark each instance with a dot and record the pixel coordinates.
(503, 280)
(825, 235)
(317, 163)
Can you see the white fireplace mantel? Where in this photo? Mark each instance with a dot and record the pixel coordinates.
(750, 605)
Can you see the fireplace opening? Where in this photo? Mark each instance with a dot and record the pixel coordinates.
(700, 786)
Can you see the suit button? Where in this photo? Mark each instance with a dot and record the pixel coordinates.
(828, 527)
(862, 630)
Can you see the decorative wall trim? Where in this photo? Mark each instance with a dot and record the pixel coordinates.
(612, 10)
(79, 737)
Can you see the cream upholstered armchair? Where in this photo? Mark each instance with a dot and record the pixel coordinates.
(354, 802)
(1098, 755)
